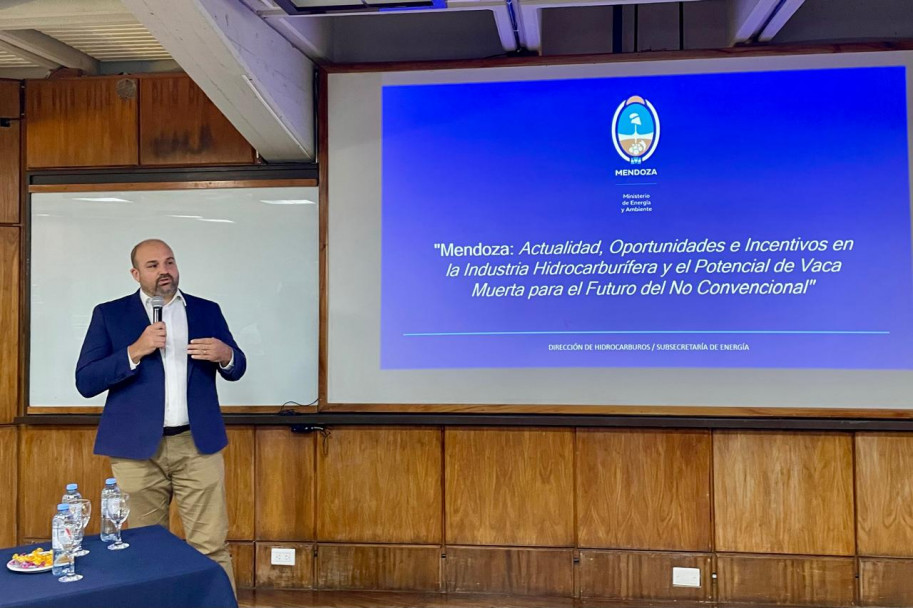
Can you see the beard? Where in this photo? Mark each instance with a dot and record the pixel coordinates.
(169, 288)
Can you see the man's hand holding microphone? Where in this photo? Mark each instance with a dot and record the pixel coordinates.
(153, 337)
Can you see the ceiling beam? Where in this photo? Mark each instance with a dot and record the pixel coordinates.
(748, 17)
(530, 27)
(504, 27)
(30, 57)
(38, 14)
(22, 73)
(259, 80)
(49, 48)
(786, 10)
(139, 66)
(310, 36)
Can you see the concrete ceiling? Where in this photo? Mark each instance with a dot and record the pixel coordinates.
(256, 62)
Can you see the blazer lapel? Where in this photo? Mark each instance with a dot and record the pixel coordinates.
(139, 319)
(193, 326)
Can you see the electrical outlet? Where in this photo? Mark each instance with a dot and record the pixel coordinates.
(686, 577)
(280, 556)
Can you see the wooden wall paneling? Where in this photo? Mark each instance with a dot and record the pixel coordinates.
(643, 489)
(9, 98)
(641, 575)
(9, 173)
(49, 459)
(242, 562)
(379, 485)
(885, 582)
(9, 482)
(179, 125)
(299, 576)
(780, 492)
(884, 494)
(789, 581)
(379, 567)
(543, 572)
(239, 482)
(9, 323)
(9, 152)
(85, 122)
(239, 486)
(285, 467)
(509, 486)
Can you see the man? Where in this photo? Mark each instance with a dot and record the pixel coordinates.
(161, 425)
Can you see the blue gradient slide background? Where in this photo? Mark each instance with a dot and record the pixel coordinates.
(814, 154)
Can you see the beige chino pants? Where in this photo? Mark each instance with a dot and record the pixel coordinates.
(196, 480)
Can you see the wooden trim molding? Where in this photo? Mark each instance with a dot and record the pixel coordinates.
(323, 140)
(308, 419)
(40, 410)
(198, 185)
(682, 417)
(95, 410)
(623, 410)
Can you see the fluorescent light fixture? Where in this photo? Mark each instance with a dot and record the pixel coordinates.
(301, 201)
(103, 199)
(217, 221)
(189, 217)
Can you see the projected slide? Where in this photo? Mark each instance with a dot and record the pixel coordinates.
(754, 219)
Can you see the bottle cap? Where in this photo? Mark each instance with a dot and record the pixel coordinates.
(110, 481)
(71, 487)
(63, 507)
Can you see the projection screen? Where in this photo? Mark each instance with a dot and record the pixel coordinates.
(729, 232)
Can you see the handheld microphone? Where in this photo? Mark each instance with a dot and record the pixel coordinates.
(157, 303)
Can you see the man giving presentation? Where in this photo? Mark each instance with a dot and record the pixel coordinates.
(157, 352)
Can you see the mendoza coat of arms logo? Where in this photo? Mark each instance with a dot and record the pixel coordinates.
(635, 129)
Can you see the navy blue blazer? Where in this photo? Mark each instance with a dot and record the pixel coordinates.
(133, 417)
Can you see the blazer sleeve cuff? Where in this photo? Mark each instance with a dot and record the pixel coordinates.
(123, 368)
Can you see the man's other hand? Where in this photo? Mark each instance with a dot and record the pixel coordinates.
(210, 349)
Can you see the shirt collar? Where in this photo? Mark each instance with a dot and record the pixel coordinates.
(178, 297)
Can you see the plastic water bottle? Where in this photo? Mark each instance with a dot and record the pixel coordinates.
(72, 493)
(107, 526)
(62, 563)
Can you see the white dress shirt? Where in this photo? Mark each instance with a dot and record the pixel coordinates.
(174, 357)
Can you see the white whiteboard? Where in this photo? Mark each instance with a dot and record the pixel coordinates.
(254, 251)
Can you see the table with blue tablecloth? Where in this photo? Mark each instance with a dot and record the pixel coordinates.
(158, 570)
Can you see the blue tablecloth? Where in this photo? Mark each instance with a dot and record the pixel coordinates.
(158, 570)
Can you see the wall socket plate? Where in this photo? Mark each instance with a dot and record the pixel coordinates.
(282, 556)
(686, 577)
